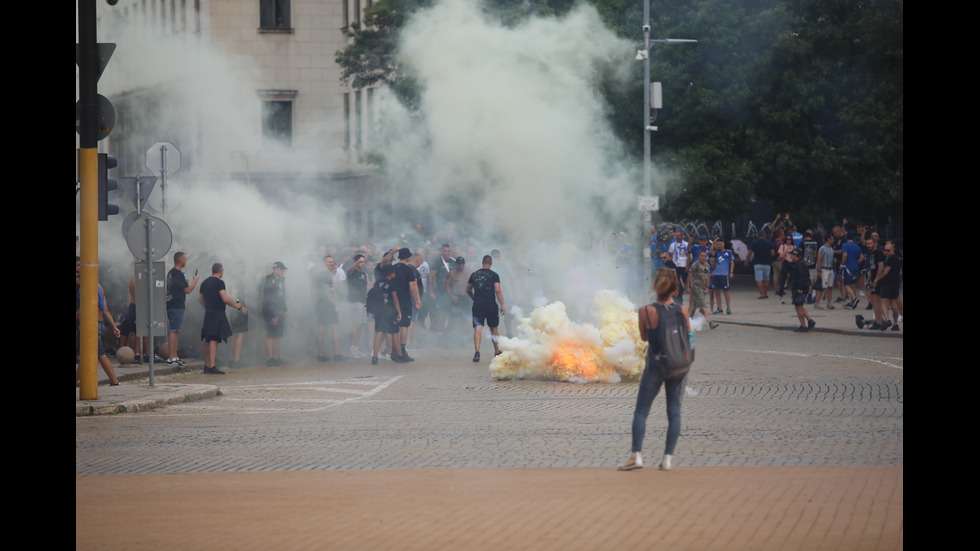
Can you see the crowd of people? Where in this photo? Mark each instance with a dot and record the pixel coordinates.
(852, 259)
(437, 295)
(432, 295)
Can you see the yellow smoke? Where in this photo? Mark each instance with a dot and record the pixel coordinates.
(549, 346)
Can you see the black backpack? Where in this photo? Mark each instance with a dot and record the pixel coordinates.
(375, 301)
(674, 354)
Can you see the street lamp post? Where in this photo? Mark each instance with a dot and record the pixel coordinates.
(644, 55)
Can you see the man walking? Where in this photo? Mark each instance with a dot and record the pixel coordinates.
(483, 287)
(177, 290)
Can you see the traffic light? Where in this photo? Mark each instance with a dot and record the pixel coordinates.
(106, 185)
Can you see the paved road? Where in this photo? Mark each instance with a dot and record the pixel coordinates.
(789, 441)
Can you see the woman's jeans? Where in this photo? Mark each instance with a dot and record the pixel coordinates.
(649, 387)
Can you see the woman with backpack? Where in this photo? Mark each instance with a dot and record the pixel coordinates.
(665, 315)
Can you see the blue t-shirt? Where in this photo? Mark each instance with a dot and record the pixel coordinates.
(853, 251)
(723, 263)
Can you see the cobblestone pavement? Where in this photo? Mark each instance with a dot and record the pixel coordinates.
(748, 402)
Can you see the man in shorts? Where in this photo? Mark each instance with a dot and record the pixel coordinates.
(722, 271)
(760, 256)
(177, 290)
(697, 282)
(274, 312)
(326, 311)
(483, 287)
(387, 318)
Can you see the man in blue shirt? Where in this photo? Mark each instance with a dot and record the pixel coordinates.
(851, 257)
(658, 246)
(722, 270)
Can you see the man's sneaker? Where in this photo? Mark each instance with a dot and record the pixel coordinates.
(810, 324)
(886, 325)
(830, 306)
(718, 311)
(322, 359)
(895, 327)
(869, 306)
(175, 362)
(476, 356)
(874, 326)
(800, 329)
(339, 358)
(271, 362)
(728, 312)
(374, 360)
(213, 371)
(355, 353)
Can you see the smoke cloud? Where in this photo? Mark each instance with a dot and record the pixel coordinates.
(511, 141)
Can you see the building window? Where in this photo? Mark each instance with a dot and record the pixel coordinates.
(357, 120)
(346, 121)
(277, 117)
(274, 14)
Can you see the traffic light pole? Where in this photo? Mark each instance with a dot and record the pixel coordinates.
(88, 67)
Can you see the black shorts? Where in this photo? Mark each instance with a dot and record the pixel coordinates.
(406, 314)
(888, 292)
(385, 322)
(485, 312)
(326, 314)
(128, 324)
(275, 331)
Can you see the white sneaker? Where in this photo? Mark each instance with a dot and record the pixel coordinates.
(665, 463)
(637, 458)
(355, 353)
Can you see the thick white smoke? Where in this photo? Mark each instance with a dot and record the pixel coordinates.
(511, 139)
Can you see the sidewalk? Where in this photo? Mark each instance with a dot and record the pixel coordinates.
(135, 394)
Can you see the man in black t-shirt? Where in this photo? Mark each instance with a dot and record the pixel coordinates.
(177, 290)
(760, 256)
(888, 282)
(405, 288)
(483, 288)
(214, 297)
(275, 313)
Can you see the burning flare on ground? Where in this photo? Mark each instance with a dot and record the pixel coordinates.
(549, 346)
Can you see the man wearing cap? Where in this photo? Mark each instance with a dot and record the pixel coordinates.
(274, 312)
(406, 290)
